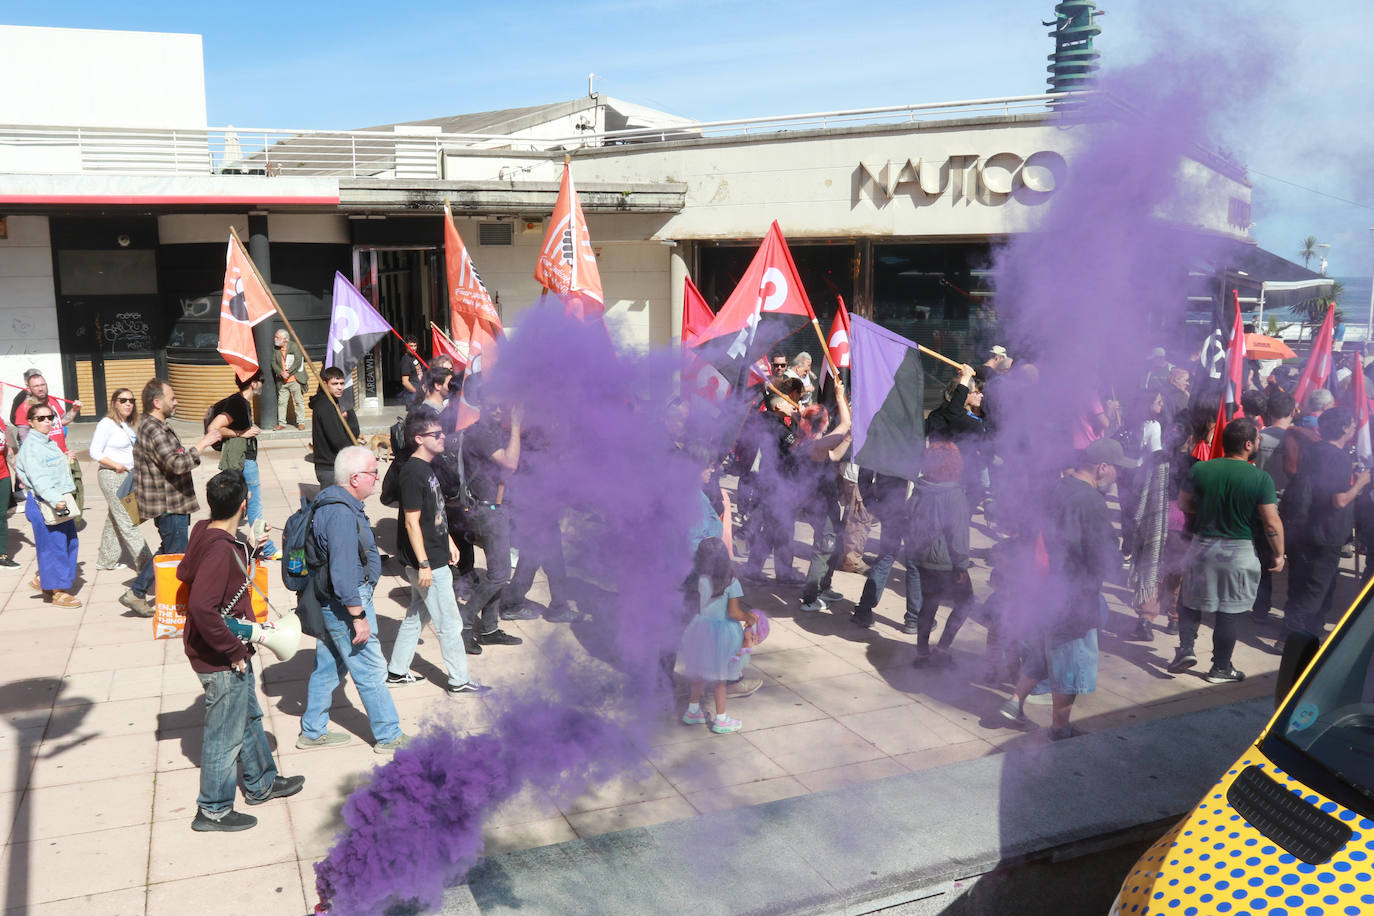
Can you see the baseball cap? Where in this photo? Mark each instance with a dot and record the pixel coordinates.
(1109, 451)
(30, 373)
(999, 350)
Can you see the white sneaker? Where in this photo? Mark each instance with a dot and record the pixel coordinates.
(813, 606)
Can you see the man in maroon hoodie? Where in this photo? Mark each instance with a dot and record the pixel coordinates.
(218, 566)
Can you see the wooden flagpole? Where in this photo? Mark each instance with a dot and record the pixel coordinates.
(825, 348)
(292, 331)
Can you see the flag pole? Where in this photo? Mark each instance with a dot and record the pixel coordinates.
(292, 331)
(407, 346)
(55, 397)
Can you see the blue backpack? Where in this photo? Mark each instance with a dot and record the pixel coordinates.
(295, 570)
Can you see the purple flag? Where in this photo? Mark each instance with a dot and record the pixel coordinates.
(889, 400)
(354, 328)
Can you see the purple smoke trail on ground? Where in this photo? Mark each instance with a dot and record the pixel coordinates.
(607, 461)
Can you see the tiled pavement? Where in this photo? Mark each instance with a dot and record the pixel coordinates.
(99, 753)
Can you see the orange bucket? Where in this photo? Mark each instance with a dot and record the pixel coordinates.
(169, 618)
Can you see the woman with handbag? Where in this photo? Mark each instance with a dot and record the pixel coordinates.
(112, 449)
(51, 508)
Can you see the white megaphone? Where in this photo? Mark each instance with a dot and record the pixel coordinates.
(282, 638)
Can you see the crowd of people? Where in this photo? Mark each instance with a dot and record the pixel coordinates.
(1188, 536)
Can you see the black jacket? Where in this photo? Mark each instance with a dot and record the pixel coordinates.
(328, 436)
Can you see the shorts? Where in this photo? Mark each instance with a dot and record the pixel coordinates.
(1221, 575)
(1070, 667)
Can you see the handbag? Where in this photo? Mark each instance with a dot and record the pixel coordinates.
(129, 500)
(50, 516)
(234, 454)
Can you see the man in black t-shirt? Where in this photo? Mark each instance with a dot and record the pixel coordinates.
(489, 453)
(233, 417)
(422, 541)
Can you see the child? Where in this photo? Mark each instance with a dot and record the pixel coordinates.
(713, 639)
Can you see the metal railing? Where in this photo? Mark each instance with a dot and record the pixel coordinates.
(400, 153)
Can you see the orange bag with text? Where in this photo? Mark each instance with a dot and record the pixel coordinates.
(169, 619)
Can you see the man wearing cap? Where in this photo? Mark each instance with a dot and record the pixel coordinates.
(1157, 373)
(1232, 505)
(1082, 551)
(997, 363)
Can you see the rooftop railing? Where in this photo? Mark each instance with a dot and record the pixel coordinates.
(408, 151)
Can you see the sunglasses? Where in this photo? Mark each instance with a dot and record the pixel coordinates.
(124, 400)
(41, 418)
(432, 434)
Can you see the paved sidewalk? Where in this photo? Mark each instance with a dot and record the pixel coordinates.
(98, 759)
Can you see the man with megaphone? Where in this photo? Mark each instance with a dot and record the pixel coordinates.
(218, 567)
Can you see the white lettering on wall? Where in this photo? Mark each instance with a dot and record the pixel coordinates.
(990, 180)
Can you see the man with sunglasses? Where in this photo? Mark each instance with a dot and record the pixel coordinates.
(38, 390)
(423, 540)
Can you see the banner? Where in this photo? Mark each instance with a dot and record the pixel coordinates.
(1318, 369)
(245, 304)
(468, 300)
(696, 314)
(838, 341)
(355, 327)
(888, 397)
(441, 345)
(567, 263)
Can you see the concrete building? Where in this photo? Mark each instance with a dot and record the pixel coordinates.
(118, 203)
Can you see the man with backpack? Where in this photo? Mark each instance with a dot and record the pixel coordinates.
(341, 553)
(423, 541)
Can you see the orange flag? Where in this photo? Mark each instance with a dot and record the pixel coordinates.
(468, 301)
(567, 263)
(441, 345)
(246, 303)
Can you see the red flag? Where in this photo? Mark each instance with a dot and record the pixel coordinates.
(441, 345)
(468, 300)
(1235, 375)
(1318, 369)
(768, 304)
(482, 356)
(567, 263)
(838, 341)
(246, 303)
(696, 314)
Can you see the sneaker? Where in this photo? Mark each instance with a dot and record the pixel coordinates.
(328, 739)
(922, 659)
(136, 603)
(384, 748)
(1012, 712)
(744, 687)
(1171, 629)
(112, 567)
(1183, 660)
(829, 594)
(812, 606)
(6, 562)
(861, 620)
(499, 638)
(566, 615)
(471, 644)
(1144, 632)
(400, 680)
(940, 657)
(231, 820)
(910, 629)
(1279, 644)
(724, 725)
(695, 718)
(282, 787)
(469, 688)
(1224, 676)
(1040, 699)
(1068, 731)
(521, 612)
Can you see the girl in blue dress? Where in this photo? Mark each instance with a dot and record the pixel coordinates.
(711, 644)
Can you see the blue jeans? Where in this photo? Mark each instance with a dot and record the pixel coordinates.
(337, 656)
(175, 531)
(889, 543)
(438, 607)
(233, 738)
(253, 478)
(55, 548)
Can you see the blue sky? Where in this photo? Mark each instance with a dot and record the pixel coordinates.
(1301, 116)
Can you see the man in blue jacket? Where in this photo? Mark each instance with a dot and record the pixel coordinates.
(343, 537)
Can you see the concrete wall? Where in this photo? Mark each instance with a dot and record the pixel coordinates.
(938, 180)
(28, 305)
(633, 267)
(97, 78)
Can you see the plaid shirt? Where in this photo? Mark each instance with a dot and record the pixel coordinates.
(163, 483)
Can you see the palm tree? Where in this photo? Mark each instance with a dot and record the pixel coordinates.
(1309, 251)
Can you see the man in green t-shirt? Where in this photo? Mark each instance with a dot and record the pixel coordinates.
(1232, 505)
